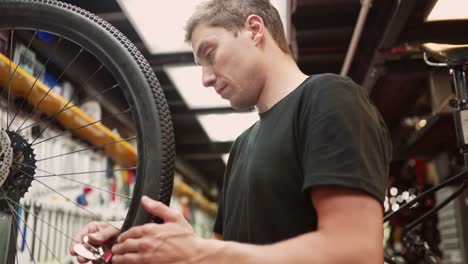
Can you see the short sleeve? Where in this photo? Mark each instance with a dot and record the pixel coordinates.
(345, 141)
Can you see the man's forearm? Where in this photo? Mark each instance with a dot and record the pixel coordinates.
(308, 248)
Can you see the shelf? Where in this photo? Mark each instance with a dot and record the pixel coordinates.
(182, 189)
(97, 134)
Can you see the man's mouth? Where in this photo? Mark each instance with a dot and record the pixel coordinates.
(220, 91)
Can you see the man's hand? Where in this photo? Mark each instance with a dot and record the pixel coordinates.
(171, 242)
(101, 234)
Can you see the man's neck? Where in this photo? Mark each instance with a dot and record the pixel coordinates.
(282, 77)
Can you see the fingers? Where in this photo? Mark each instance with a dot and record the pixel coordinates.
(127, 259)
(103, 235)
(98, 233)
(81, 259)
(78, 238)
(134, 232)
(159, 209)
(128, 246)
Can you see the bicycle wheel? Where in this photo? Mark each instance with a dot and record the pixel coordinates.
(104, 66)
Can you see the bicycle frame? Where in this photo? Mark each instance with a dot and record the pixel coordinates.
(8, 245)
(460, 115)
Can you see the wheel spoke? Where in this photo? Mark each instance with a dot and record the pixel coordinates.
(73, 130)
(85, 149)
(98, 188)
(66, 198)
(62, 110)
(65, 109)
(33, 85)
(45, 222)
(83, 183)
(50, 89)
(12, 210)
(76, 129)
(10, 75)
(21, 55)
(86, 172)
(48, 249)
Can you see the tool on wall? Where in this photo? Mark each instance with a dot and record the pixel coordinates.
(37, 211)
(27, 207)
(48, 235)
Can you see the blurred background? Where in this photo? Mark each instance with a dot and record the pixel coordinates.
(375, 43)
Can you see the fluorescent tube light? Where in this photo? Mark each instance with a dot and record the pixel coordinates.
(225, 158)
(226, 127)
(188, 81)
(449, 10)
(160, 24)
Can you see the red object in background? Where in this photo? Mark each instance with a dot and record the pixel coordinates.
(113, 189)
(420, 169)
(87, 189)
(130, 177)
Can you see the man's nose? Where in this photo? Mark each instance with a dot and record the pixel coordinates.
(209, 77)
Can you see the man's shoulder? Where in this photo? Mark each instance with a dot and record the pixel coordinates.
(324, 89)
(329, 82)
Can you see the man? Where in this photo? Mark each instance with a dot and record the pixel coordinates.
(305, 184)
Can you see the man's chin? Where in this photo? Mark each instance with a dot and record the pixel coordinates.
(243, 108)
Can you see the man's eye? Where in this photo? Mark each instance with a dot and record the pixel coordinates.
(209, 56)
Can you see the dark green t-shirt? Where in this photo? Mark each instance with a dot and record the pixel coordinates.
(325, 132)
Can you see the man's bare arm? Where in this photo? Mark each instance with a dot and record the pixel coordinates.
(349, 231)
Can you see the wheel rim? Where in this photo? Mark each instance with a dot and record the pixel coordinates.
(31, 146)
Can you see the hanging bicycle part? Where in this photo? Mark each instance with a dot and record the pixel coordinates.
(455, 58)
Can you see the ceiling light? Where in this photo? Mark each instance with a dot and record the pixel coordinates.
(285, 14)
(226, 127)
(188, 81)
(422, 123)
(449, 10)
(160, 24)
(225, 158)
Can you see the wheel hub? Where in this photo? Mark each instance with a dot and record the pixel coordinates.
(17, 165)
(6, 156)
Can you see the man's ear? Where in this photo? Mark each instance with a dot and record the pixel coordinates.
(254, 24)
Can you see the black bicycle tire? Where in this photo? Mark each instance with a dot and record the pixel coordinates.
(128, 65)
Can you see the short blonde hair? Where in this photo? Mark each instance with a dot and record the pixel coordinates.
(231, 15)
